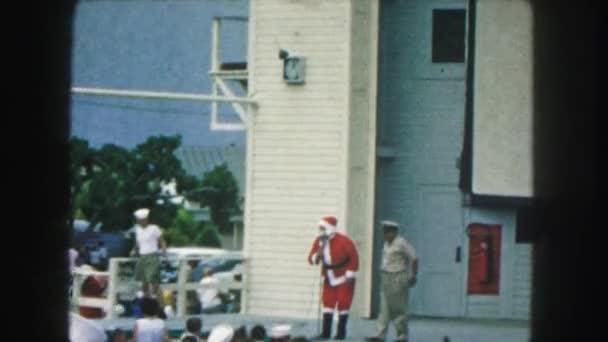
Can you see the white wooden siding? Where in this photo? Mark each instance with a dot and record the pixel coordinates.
(522, 281)
(296, 150)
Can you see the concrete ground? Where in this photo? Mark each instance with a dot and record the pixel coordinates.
(421, 329)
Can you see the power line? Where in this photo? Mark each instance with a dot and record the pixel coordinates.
(142, 109)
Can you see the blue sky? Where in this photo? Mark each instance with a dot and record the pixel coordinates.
(151, 45)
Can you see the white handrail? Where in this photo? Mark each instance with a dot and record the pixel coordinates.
(108, 303)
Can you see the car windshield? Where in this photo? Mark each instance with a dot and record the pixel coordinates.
(222, 264)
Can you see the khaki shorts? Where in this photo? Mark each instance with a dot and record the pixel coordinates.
(147, 269)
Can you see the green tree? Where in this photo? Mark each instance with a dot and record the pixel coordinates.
(183, 230)
(110, 183)
(107, 195)
(209, 237)
(82, 167)
(222, 200)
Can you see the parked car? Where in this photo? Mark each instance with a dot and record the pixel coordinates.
(226, 265)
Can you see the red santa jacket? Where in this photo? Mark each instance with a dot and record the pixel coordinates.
(339, 256)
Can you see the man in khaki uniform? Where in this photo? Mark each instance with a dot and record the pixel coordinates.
(399, 270)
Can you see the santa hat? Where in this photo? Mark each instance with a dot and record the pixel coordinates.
(329, 223)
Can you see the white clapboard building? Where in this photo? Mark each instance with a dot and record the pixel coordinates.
(417, 111)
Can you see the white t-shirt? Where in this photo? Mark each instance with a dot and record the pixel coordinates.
(82, 329)
(150, 330)
(208, 293)
(147, 238)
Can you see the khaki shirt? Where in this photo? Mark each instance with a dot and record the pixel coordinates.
(398, 256)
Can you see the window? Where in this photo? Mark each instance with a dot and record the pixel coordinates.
(448, 35)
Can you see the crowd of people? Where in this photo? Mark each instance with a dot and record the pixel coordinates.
(334, 251)
(153, 328)
(94, 255)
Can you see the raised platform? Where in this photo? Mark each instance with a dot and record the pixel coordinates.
(421, 329)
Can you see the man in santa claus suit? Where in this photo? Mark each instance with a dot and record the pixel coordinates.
(340, 262)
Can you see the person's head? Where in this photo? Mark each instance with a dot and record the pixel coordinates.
(141, 216)
(208, 272)
(149, 307)
(327, 226)
(194, 325)
(258, 332)
(391, 229)
(119, 335)
(240, 333)
(101, 244)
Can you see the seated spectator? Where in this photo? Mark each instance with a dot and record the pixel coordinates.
(221, 333)
(240, 335)
(119, 335)
(150, 328)
(95, 257)
(93, 286)
(169, 303)
(258, 333)
(193, 305)
(82, 329)
(103, 255)
(209, 293)
(193, 330)
(280, 333)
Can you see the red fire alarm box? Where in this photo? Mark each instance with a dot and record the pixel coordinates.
(484, 259)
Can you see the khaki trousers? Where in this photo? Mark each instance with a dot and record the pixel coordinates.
(394, 293)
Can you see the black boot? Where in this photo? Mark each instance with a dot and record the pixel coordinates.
(341, 327)
(326, 332)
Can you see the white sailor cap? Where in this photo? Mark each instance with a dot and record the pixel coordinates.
(279, 331)
(221, 333)
(142, 213)
(388, 223)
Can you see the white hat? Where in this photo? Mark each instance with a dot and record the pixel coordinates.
(388, 223)
(221, 333)
(142, 213)
(279, 331)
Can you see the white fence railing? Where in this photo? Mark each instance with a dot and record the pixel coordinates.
(121, 283)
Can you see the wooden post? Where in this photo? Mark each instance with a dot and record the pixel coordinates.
(76, 284)
(181, 289)
(112, 288)
(235, 234)
(215, 45)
